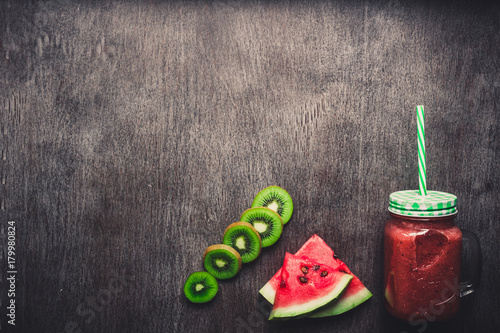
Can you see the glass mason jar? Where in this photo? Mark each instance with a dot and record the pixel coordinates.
(423, 257)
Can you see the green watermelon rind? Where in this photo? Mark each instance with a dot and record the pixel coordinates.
(342, 305)
(306, 308)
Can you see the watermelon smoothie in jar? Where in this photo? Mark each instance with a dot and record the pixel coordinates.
(423, 252)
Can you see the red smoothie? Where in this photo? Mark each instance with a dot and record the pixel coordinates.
(422, 267)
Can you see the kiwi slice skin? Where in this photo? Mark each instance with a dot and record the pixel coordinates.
(200, 287)
(245, 239)
(277, 199)
(222, 261)
(266, 221)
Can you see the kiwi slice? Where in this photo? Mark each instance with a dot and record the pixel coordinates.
(277, 199)
(222, 261)
(267, 223)
(200, 287)
(245, 239)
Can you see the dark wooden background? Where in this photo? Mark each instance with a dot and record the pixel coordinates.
(134, 132)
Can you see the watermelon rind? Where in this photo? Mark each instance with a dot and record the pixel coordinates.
(342, 305)
(305, 308)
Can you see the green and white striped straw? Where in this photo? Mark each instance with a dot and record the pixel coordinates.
(421, 151)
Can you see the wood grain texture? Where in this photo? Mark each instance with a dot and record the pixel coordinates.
(134, 132)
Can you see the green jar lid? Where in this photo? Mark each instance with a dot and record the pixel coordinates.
(411, 203)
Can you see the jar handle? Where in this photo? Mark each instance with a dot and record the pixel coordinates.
(474, 261)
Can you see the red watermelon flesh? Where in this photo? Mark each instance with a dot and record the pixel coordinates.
(316, 248)
(305, 286)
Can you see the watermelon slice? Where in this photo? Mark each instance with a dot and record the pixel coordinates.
(316, 248)
(305, 286)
